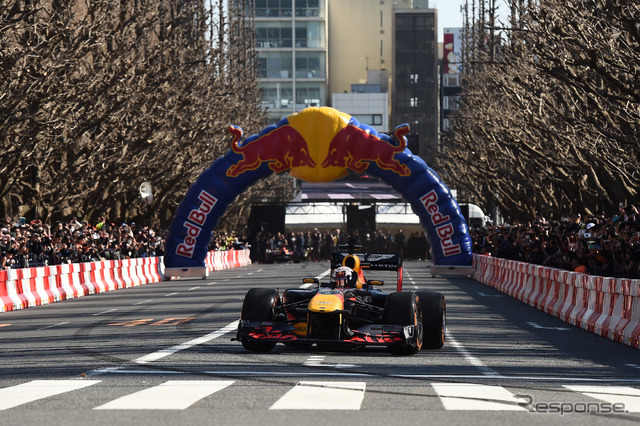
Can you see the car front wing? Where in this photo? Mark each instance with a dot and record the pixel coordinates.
(374, 334)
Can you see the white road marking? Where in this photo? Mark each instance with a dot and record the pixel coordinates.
(170, 395)
(481, 294)
(450, 340)
(104, 312)
(541, 327)
(193, 288)
(143, 302)
(198, 341)
(54, 325)
(38, 389)
(314, 361)
(319, 277)
(170, 294)
(324, 274)
(318, 361)
(628, 396)
(415, 286)
(466, 396)
(322, 396)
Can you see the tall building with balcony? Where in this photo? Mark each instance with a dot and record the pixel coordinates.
(291, 42)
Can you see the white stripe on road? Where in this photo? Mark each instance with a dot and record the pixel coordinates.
(104, 312)
(314, 361)
(170, 395)
(465, 396)
(191, 343)
(325, 273)
(415, 286)
(51, 326)
(200, 340)
(450, 340)
(319, 277)
(628, 396)
(322, 396)
(38, 389)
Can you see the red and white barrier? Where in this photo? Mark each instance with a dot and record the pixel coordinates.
(27, 287)
(609, 307)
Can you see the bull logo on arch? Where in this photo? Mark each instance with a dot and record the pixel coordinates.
(317, 145)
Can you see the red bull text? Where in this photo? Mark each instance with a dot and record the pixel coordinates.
(441, 223)
(198, 217)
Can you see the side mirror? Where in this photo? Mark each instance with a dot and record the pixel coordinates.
(311, 281)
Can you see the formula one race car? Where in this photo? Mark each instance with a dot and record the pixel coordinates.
(348, 311)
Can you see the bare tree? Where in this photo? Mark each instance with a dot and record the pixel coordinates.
(551, 122)
(96, 97)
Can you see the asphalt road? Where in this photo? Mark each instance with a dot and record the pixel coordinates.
(162, 354)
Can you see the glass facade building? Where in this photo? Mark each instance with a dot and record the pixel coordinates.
(291, 42)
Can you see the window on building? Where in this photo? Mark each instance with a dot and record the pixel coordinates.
(275, 65)
(369, 119)
(413, 102)
(307, 7)
(272, 8)
(279, 96)
(451, 80)
(309, 96)
(273, 35)
(450, 102)
(413, 78)
(310, 65)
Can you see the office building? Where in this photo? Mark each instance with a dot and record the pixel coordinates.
(291, 43)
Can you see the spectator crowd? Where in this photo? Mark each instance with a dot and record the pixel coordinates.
(594, 244)
(316, 245)
(27, 244)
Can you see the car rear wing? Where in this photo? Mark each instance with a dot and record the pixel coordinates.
(370, 262)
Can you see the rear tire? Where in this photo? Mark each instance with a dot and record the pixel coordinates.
(434, 318)
(259, 305)
(403, 308)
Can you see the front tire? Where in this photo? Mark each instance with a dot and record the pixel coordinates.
(259, 305)
(434, 318)
(403, 308)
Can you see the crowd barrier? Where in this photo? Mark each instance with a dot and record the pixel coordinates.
(609, 307)
(27, 287)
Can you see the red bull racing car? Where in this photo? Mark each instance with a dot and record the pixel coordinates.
(347, 311)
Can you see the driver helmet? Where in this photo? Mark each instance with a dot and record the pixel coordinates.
(344, 276)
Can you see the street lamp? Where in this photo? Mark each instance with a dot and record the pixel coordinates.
(146, 193)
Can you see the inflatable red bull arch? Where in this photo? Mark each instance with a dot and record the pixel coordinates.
(317, 145)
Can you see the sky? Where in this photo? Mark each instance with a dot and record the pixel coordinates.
(450, 14)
